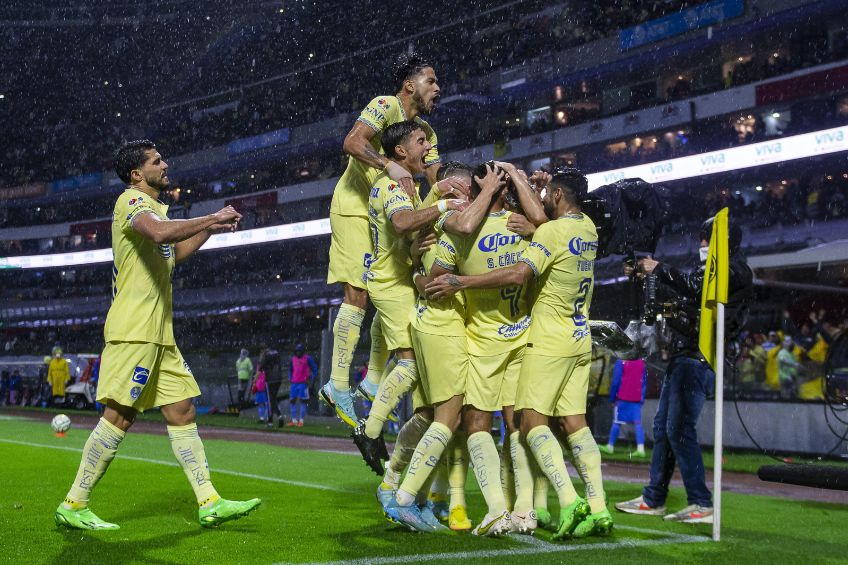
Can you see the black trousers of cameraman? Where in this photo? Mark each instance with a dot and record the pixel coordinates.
(273, 389)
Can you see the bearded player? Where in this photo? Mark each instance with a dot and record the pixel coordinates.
(141, 365)
(554, 377)
(351, 252)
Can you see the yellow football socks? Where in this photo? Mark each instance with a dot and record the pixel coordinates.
(587, 459)
(548, 454)
(427, 455)
(98, 452)
(522, 473)
(188, 449)
(345, 337)
(483, 456)
(379, 355)
(457, 469)
(393, 387)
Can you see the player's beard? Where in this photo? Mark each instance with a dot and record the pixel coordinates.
(159, 183)
(549, 208)
(419, 104)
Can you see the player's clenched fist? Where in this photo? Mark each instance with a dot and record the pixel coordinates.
(226, 218)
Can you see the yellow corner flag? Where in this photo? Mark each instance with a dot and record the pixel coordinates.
(715, 287)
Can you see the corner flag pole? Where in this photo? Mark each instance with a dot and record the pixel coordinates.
(719, 420)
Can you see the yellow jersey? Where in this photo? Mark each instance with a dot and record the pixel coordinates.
(496, 319)
(562, 256)
(350, 197)
(391, 264)
(439, 317)
(141, 307)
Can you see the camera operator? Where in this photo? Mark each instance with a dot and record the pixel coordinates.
(688, 381)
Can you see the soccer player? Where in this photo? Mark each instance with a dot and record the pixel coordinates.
(496, 331)
(394, 216)
(302, 368)
(351, 252)
(142, 366)
(554, 375)
(438, 336)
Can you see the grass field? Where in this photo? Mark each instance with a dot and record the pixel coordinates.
(320, 507)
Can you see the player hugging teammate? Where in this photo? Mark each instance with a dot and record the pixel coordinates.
(482, 292)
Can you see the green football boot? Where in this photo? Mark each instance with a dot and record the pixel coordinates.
(570, 517)
(544, 519)
(597, 524)
(82, 519)
(225, 511)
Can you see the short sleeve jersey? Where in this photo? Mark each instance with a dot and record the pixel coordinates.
(439, 317)
(350, 197)
(562, 255)
(496, 319)
(391, 264)
(141, 307)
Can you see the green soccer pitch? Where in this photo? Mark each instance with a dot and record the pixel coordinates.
(320, 507)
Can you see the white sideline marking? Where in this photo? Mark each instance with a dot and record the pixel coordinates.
(174, 464)
(535, 547)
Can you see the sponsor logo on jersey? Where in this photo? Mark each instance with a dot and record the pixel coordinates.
(135, 392)
(578, 246)
(186, 367)
(375, 192)
(132, 202)
(140, 375)
(541, 247)
(393, 187)
(375, 114)
(383, 104)
(490, 243)
(512, 330)
(397, 198)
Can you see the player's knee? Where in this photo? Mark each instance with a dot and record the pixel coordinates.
(355, 296)
(573, 423)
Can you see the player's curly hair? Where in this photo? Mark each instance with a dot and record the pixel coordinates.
(131, 155)
(407, 66)
(572, 182)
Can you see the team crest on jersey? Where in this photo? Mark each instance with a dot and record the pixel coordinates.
(140, 375)
(132, 202)
(135, 392)
(383, 104)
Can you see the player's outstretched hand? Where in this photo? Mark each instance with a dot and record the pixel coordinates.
(494, 180)
(455, 187)
(520, 225)
(443, 286)
(402, 177)
(423, 242)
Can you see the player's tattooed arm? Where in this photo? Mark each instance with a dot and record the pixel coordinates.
(450, 284)
(357, 144)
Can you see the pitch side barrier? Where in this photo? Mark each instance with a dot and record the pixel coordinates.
(801, 146)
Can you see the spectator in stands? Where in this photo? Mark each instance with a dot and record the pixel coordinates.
(58, 375)
(244, 370)
(270, 365)
(788, 369)
(627, 393)
(4, 387)
(302, 369)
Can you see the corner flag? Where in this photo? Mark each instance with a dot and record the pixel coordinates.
(715, 287)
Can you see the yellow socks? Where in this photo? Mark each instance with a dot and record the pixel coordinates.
(393, 387)
(97, 453)
(427, 455)
(379, 355)
(522, 475)
(548, 454)
(407, 440)
(188, 449)
(484, 459)
(345, 337)
(457, 469)
(587, 459)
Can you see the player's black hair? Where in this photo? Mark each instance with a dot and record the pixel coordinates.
(131, 155)
(395, 135)
(572, 182)
(407, 66)
(452, 168)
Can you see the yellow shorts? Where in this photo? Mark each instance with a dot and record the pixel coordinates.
(396, 306)
(442, 365)
(554, 386)
(143, 375)
(351, 252)
(493, 380)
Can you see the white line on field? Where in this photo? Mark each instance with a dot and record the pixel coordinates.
(534, 547)
(174, 464)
